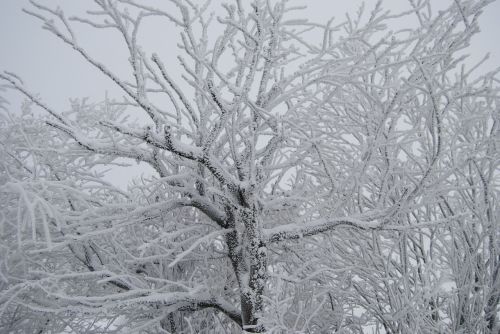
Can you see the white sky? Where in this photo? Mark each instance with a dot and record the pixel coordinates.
(57, 72)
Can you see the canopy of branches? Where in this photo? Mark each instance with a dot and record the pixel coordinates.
(305, 177)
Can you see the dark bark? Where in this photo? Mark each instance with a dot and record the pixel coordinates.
(249, 261)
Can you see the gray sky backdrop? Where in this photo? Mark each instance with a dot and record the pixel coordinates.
(57, 73)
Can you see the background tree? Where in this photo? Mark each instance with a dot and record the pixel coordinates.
(306, 178)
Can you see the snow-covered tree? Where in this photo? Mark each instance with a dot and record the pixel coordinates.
(305, 178)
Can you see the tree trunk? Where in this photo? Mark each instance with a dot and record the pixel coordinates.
(248, 257)
(493, 300)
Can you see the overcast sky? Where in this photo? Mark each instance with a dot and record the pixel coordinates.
(57, 72)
